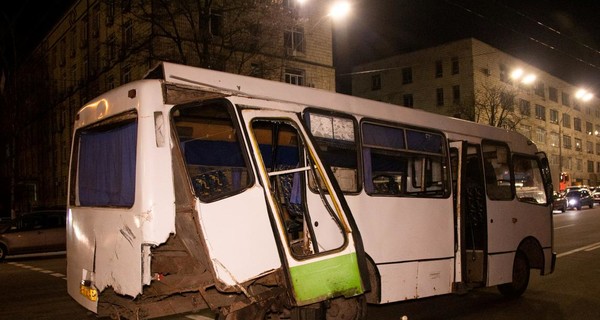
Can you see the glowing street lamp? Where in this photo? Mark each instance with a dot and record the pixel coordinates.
(584, 95)
(519, 75)
(339, 10)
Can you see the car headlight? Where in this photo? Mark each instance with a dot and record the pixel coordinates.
(572, 201)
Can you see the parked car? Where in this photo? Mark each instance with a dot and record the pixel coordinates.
(34, 232)
(560, 202)
(579, 198)
(596, 196)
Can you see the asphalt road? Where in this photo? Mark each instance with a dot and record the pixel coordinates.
(34, 287)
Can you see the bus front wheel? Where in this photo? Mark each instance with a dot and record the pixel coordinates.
(347, 308)
(520, 277)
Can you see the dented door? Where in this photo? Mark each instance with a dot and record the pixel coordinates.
(312, 227)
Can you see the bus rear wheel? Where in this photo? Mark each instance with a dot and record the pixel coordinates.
(520, 277)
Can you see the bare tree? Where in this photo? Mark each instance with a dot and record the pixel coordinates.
(233, 35)
(495, 105)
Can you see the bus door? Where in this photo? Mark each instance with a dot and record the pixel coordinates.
(312, 227)
(470, 207)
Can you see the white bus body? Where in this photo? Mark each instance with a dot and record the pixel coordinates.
(442, 205)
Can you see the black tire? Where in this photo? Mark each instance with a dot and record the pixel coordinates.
(579, 208)
(3, 252)
(347, 308)
(520, 277)
(563, 209)
(592, 205)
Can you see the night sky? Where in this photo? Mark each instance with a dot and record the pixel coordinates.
(560, 37)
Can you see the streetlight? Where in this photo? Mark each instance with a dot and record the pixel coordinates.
(519, 75)
(339, 10)
(584, 95)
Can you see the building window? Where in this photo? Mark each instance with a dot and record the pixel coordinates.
(376, 82)
(540, 112)
(566, 120)
(125, 74)
(525, 130)
(577, 124)
(110, 82)
(525, 107)
(456, 95)
(566, 101)
(407, 75)
(589, 128)
(110, 12)
(598, 149)
(589, 147)
(553, 94)
(540, 135)
(539, 89)
(597, 131)
(577, 144)
(503, 73)
(74, 78)
(294, 77)
(553, 139)
(598, 166)
(126, 6)
(439, 93)
(553, 116)
(455, 65)
(256, 70)
(439, 69)
(579, 164)
(127, 34)
(95, 21)
(567, 142)
(407, 100)
(293, 40)
(111, 48)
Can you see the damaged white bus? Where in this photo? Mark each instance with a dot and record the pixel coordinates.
(196, 189)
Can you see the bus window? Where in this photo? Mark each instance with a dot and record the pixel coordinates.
(404, 162)
(336, 139)
(106, 164)
(529, 184)
(497, 171)
(211, 149)
(312, 225)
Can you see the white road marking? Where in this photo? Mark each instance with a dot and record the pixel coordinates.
(566, 226)
(32, 268)
(591, 247)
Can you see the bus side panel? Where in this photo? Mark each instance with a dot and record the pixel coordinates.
(398, 281)
(509, 222)
(239, 237)
(404, 229)
(500, 268)
(435, 277)
(100, 242)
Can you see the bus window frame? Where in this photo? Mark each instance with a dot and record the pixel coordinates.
(509, 164)
(334, 114)
(114, 121)
(540, 169)
(444, 156)
(231, 110)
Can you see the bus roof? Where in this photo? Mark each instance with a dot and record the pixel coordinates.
(238, 85)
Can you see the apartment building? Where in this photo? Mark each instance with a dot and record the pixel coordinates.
(472, 80)
(101, 44)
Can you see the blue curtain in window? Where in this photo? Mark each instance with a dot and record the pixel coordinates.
(107, 167)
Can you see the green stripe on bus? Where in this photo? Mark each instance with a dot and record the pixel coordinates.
(320, 280)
